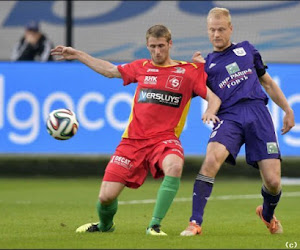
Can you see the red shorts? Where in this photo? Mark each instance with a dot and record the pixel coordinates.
(133, 159)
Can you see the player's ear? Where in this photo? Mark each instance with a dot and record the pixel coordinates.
(170, 43)
(148, 48)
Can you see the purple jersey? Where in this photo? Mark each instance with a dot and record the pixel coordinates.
(233, 74)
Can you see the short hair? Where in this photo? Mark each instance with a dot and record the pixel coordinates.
(158, 31)
(218, 13)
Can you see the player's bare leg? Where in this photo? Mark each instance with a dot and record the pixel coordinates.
(216, 154)
(107, 207)
(270, 170)
(172, 166)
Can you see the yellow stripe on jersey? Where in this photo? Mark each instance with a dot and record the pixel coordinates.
(181, 62)
(194, 65)
(144, 63)
(166, 66)
(125, 134)
(180, 125)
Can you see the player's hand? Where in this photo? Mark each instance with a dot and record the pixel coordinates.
(64, 53)
(208, 117)
(288, 122)
(198, 58)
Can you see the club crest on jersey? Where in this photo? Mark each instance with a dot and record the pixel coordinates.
(179, 70)
(174, 82)
(232, 68)
(239, 51)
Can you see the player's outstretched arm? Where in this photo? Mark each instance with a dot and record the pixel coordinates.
(102, 67)
(213, 105)
(279, 98)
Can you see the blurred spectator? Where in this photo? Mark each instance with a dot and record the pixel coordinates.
(33, 46)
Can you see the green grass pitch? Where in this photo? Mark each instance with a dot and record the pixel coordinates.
(44, 213)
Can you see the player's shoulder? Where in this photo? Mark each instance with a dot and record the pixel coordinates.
(141, 62)
(190, 64)
(244, 44)
(197, 65)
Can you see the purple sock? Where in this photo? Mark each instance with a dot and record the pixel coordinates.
(270, 203)
(202, 189)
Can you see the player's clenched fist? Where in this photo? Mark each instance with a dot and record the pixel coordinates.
(198, 58)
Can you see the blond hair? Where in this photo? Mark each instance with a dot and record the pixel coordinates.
(158, 31)
(218, 13)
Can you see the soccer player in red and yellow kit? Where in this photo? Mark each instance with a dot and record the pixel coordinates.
(151, 140)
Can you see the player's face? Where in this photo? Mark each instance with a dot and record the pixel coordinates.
(159, 50)
(219, 32)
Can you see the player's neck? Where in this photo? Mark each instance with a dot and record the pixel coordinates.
(223, 48)
(168, 62)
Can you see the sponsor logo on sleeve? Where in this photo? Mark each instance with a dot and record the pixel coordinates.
(174, 82)
(160, 97)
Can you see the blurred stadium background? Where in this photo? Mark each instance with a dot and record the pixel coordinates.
(115, 31)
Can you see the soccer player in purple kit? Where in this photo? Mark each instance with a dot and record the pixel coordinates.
(236, 73)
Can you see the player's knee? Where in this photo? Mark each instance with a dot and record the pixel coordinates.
(273, 185)
(173, 169)
(210, 166)
(106, 198)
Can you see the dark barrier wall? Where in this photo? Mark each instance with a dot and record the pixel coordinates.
(71, 166)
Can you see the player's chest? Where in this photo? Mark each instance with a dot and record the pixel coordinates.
(170, 80)
(229, 65)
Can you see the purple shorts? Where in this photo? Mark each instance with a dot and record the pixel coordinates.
(248, 122)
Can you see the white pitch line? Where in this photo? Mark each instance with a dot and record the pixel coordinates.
(221, 197)
(185, 199)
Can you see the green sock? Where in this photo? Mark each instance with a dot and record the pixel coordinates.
(106, 214)
(165, 196)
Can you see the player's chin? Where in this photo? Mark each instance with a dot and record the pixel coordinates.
(158, 61)
(219, 44)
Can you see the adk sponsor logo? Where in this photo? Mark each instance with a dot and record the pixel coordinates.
(150, 80)
(160, 97)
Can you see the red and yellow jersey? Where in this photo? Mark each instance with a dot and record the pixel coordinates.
(162, 97)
